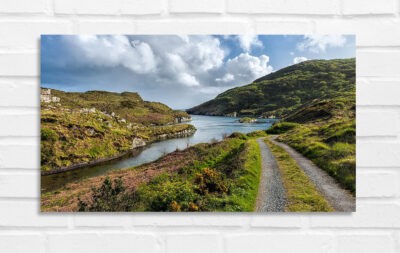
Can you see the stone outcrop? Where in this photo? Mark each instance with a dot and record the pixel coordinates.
(46, 97)
(138, 142)
(182, 119)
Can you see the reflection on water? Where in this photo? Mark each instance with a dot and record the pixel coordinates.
(208, 128)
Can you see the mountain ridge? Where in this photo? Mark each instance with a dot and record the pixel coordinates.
(282, 92)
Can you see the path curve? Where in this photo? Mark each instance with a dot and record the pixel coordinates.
(271, 193)
(339, 198)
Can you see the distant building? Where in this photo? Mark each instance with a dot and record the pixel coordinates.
(46, 97)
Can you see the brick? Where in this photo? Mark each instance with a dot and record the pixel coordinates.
(378, 154)
(20, 185)
(106, 27)
(102, 242)
(28, 94)
(200, 6)
(27, 214)
(284, 27)
(143, 7)
(15, 125)
(364, 7)
(378, 63)
(26, 34)
(22, 243)
(224, 220)
(101, 220)
(377, 184)
(377, 123)
(275, 220)
(378, 92)
(365, 243)
(193, 243)
(19, 64)
(279, 243)
(303, 7)
(160, 219)
(110, 7)
(10, 156)
(368, 215)
(22, 6)
(369, 32)
(187, 27)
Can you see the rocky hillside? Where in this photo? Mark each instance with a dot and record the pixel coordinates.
(284, 91)
(82, 128)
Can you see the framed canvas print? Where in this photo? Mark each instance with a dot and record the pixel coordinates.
(198, 123)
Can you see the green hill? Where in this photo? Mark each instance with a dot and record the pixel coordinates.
(83, 128)
(324, 130)
(284, 91)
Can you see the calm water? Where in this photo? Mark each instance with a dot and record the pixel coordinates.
(208, 128)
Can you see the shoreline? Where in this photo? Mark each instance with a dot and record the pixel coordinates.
(131, 152)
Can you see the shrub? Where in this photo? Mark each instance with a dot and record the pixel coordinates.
(259, 133)
(238, 135)
(48, 135)
(167, 196)
(344, 135)
(316, 150)
(281, 127)
(109, 197)
(341, 150)
(210, 181)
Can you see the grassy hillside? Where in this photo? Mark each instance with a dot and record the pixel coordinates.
(222, 176)
(85, 127)
(284, 91)
(324, 130)
(127, 105)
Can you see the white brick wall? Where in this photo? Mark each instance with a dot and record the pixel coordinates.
(375, 227)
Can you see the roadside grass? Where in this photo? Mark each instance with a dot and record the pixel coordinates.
(221, 176)
(331, 146)
(250, 179)
(302, 195)
(224, 177)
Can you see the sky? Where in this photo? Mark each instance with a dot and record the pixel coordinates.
(179, 70)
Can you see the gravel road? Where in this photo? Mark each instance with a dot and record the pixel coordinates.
(339, 198)
(271, 193)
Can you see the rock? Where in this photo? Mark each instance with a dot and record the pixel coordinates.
(90, 131)
(138, 142)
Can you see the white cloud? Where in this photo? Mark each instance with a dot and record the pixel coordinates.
(112, 51)
(245, 67)
(299, 59)
(248, 41)
(188, 80)
(157, 66)
(226, 78)
(319, 43)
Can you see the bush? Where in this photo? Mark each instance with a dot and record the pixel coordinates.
(316, 150)
(259, 133)
(48, 135)
(281, 127)
(344, 135)
(210, 181)
(109, 197)
(168, 196)
(238, 135)
(341, 150)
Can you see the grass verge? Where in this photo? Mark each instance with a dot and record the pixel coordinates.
(222, 176)
(302, 195)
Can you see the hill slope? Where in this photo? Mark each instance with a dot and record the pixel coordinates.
(284, 91)
(83, 128)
